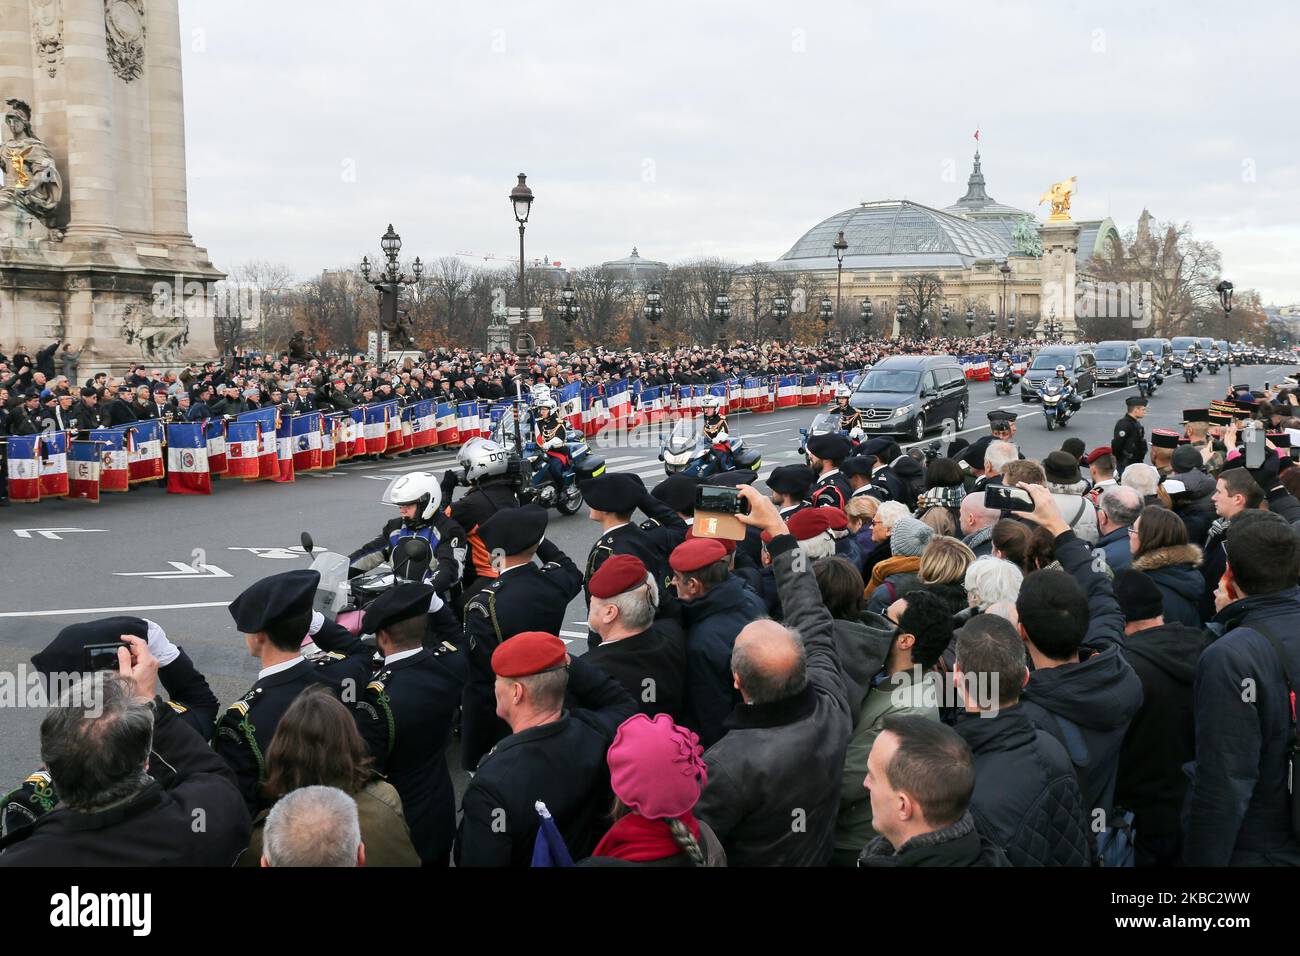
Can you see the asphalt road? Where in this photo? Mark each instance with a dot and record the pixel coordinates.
(180, 559)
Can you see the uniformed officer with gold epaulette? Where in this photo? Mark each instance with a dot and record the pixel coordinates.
(274, 615)
(406, 713)
(612, 499)
(523, 597)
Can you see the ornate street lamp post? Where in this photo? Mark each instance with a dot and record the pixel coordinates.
(840, 245)
(780, 308)
(827, 314)
(970, 322)
(864, 314)
(568, 309)
(945, 316)
(721, 313)
(1224, 289)
(654, 311)
(993, 323)
(388, 282)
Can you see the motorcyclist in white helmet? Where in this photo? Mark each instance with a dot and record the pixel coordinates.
(850, 417)
(715, 430)
(418, 499)
(484, 465)
(551, 438)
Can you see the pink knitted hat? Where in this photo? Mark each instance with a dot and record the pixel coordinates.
(656, 767)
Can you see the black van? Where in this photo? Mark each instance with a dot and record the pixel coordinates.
(1080, 364)
(1116, 360)
(1161, 349)
(909, 395)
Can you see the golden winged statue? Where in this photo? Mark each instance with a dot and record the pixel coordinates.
(1059, 196)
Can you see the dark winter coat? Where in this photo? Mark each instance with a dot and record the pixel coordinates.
(780, 761)
(1161, 738)
(1174, 571)
(1238, 808)
(960, 844)
(712, 623)
(1026, 798)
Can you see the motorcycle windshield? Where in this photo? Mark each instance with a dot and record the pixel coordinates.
(503, 432)
(686, 434)
(1000, 368)
(824, 424)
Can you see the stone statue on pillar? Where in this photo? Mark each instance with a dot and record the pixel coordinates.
(32, 184)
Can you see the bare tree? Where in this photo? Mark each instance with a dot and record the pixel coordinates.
(452, 280)
(601, 297)
(258, 305)
(922, 293)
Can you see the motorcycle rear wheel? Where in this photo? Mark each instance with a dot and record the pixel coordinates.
(570, 501)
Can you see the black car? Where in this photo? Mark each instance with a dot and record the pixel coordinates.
(910, 395)
(1080, 365)
(1116, 360)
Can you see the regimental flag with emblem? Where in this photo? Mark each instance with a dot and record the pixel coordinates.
(343, 428)
(144, 453)
(394, 428)
(53, 460)
(24, 467)
(305, 431)
(448, 433)
(187, 460)
(467, 420)
(283, 449)
(84, 468)
(115, 471)
(407, 438)
(214, 430)
(242, 442)
(426, 424)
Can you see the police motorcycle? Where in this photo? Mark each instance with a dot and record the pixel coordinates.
(1059, 400)
(344, 601)
(1004, 376)
(1213, 361)
(1148, 375)
(828, 422)
(530, 461)
(1190, 367)
(688, 451)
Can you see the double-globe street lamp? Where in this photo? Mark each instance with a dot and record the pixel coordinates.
(864, 314)
(721, 315)
(568, 309)
(780, 308)
(827, 315)
(970, 322)
(388, 282)
(653, 312)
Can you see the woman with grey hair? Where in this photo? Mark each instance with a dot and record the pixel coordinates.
(990, 580)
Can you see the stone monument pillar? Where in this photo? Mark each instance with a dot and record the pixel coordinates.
(1060, 238)
(95, 247)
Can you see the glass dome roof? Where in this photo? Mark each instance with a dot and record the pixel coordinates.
(877, 232)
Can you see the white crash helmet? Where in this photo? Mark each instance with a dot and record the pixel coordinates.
(482, 458)
(546, 404)
(540, 393)
(1149, 354)
(1060, 370)
(417, 488)
(711, 402)
(843, 392)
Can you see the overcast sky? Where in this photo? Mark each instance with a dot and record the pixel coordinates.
(727, 128)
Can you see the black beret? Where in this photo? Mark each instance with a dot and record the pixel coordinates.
(677, 492)
(1137, 595)
(397, 604)
(879, 447)
(87, 391)
(793, 480)
(830, 447)
(1135, 401)
(858, 465)
(514, 530)
(64, 654)
(956, 447)
(273, 599)
(617, 492)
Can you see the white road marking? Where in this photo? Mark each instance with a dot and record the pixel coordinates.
(52, 534)
(183, 572)
(114, 610)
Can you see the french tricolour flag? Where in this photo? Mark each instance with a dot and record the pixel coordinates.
(214, 430)
(144, 451)
(305, 432)
(187, 460)
(448, 433)
(284, 450)
(242, 442)
(54, 464)
(115, 471)
(84, 466)
(426, 424)
(24, 468)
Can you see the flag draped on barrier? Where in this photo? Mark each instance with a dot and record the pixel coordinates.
(24, 468)
(53, 460)
(284, 450)
(214, 430)
(305, 431)
(425, 424)
(84, 468)
(115, 472)
(445, 416)
(144, 453)
(242, 442)
(376, 430)
(187, 460)
(267, 420)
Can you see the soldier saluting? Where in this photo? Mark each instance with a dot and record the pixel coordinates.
(1129, 443)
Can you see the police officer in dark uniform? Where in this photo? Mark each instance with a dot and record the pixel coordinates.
(274, 615)
(612, 499)
(678, 493)
(500, 821)
(1129, 443)
(825, 453)
(1002, 427)
(791, 486)
(858, 470)
(523, 596)
(406, 712)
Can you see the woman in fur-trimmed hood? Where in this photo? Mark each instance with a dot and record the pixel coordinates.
(1161, 551)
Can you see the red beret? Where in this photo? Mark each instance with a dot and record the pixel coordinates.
(836, 519)
(619, 573)
(528, 653)
(725, 542)
(1097, 453)
(696, 554)
(809, 522)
